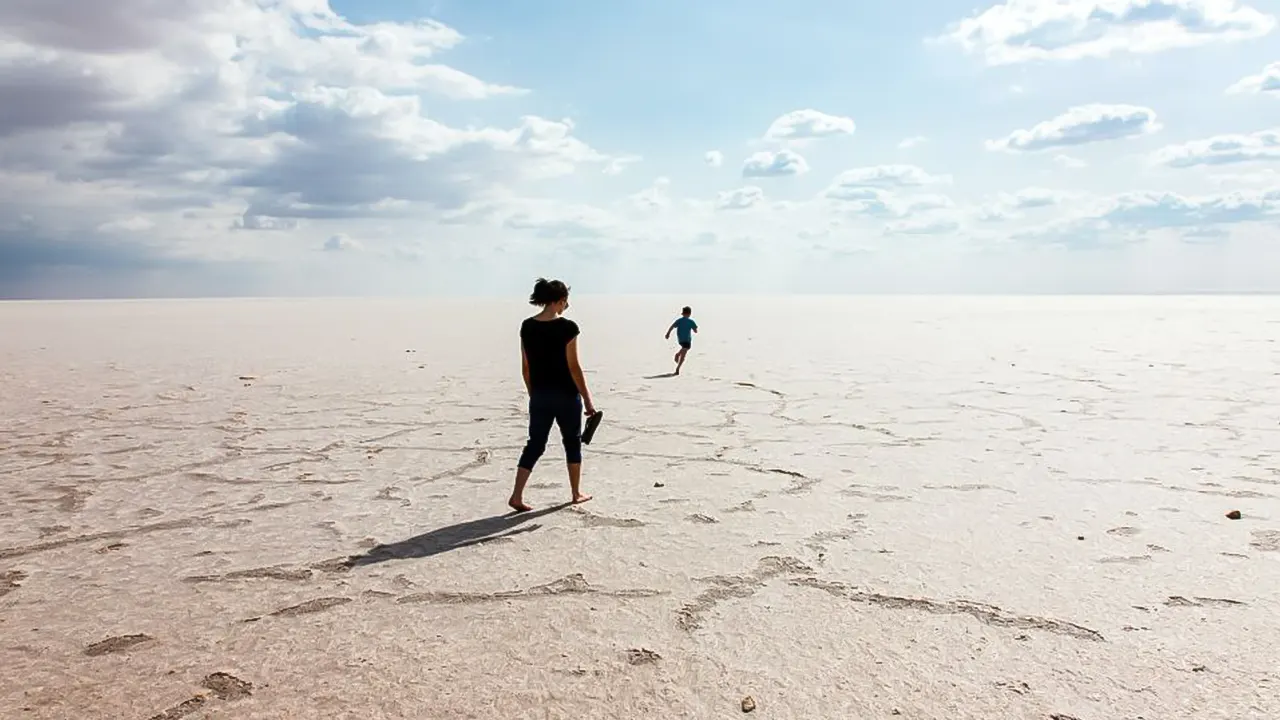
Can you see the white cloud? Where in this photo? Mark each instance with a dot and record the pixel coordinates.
(392, 158)
(1267, 81)
(1081, 125)
(1083, 231)
(741, 198)
(922, 226)
(765, 164)
(1167, 210)
(619, 165)
(1009, 206)
(1022, 30)
(1031, 198)
(135, 223)
(1264, 176)
(883, 176)
(802, 125)
(1206, 234)
(250, 115)
(1263, 145)
(1069, 162)
(924, 203)
(1126, 217)
(910, 142)
(341, 243)
(251, 221)
(581, 223)
(714, 158)
(550, 218)
(876, 202)
(654, 197)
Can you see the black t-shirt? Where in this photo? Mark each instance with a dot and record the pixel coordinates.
(544, 344)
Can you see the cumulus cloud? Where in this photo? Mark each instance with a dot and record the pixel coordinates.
(576, 225)
(1261, 146)
(876, 202)
(1129, 216)
(1170, 210)
(714, 158)
(251, 221)
(783, 163)
(1016, 31)
(1069, 162)
(1081, 125)
(1031, 198)
(341, 243)
(654, 197)
(250, 115)
(922, 226)
(1264, 176)
(1205, 234)
(1085, 231)
(360, 153)
(549, 218)
(135, 223)
(619, 165)
(910, 142)
(1007, 206)
(802, 125)
(740, 199)
(848, 184)
(1267, 81)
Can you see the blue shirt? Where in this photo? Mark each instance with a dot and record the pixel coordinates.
(684, 329)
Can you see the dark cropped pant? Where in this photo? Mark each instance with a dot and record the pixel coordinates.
(563, 409)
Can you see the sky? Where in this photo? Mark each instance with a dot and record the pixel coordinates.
(465, 147)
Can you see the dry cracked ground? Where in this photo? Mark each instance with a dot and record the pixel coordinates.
(286, 509)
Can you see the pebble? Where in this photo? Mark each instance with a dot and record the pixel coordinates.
(1234, 515)
(748, 704)
(642, 656)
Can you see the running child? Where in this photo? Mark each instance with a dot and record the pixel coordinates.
(685, 327)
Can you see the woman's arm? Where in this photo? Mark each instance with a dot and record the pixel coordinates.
(575, 369)
(524, 368)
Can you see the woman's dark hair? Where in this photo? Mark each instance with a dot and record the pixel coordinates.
(547, 291)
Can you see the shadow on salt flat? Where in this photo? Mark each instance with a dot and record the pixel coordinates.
(454, 537)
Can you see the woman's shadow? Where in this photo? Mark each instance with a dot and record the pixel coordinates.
(453, 537)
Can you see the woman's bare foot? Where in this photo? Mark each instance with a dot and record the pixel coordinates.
(518, 506)
(580, 498)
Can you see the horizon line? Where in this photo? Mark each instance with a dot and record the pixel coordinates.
(504, 296)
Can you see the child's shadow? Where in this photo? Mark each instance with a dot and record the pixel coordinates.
(660, 377)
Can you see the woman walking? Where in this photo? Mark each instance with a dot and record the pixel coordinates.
(556, 386)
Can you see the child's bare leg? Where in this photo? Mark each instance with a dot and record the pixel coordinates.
(680, 360)
(517, 495)
(575, 479)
